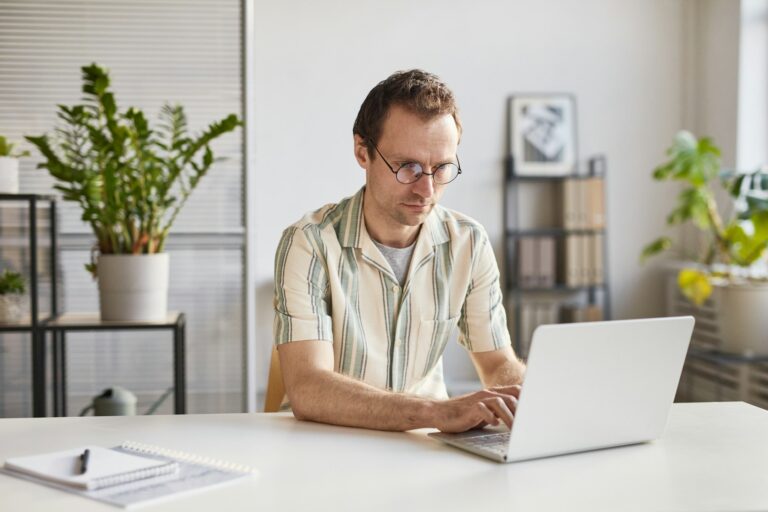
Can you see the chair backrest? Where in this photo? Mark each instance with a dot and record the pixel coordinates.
(275, 386)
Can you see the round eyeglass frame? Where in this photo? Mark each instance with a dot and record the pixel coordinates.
(423, 172)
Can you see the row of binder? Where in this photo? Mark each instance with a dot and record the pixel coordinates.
(581, 261)
(584, 203)
(543, 312)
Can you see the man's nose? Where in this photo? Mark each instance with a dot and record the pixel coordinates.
(425, 186)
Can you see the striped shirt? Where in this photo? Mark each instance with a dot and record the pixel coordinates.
(332, 283)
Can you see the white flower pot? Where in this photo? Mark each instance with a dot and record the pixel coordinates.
(133, 288)
(11, 308)
(742, 317)
(9, 175)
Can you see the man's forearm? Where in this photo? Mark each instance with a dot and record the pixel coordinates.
(509, 373)
(329, 397)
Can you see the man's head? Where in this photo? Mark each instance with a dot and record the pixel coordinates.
(417, 91)
(411, 117)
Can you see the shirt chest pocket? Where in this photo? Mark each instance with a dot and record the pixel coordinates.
(430, 343)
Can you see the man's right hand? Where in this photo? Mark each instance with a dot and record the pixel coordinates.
(476, 410)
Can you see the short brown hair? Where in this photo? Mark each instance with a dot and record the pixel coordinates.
(418, 91)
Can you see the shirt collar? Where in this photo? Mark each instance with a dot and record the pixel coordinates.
(433, 230)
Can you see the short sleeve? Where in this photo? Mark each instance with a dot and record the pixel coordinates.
(301, 290)
(483, 321)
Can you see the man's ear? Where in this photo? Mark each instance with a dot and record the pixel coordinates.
(361, 153)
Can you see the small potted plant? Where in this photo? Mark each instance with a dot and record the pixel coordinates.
(131, 181)
(728, 265)
(12, 291)
(9, 167)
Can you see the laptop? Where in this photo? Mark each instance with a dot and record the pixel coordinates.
(588, 386)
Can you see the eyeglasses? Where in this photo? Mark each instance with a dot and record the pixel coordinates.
(410, 172)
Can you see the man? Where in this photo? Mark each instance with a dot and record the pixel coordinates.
(367, 291)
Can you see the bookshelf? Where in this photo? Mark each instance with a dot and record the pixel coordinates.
(556, 258)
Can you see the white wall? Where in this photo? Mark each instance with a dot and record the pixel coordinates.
(314, 62)
(712, 72)
(752, 151)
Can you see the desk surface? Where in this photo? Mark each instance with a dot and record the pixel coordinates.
(713, 456)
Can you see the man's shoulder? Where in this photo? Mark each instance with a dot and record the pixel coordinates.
(459, 225)
(323, 219)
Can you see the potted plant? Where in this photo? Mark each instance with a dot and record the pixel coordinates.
(12, 291)
(131, 182)
(9, 167)
(727, 266)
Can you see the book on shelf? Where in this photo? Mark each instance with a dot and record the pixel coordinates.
(598, 272)
(597, 203)
(533, 314)
(536, 262)
(572, 261)
(546, 262)
(583, 203)
(526, 271)
(582, 262)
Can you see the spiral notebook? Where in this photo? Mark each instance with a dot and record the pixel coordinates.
(128, 475)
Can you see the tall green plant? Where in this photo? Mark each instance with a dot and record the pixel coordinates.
(130, 180)
(740, 241)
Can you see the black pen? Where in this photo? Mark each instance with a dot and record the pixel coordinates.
(84, 461)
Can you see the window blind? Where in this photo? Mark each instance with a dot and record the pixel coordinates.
(177, 51)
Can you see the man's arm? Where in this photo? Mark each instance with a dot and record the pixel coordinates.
(498, 367)
(317, 393)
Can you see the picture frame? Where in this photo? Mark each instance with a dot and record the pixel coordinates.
(542, 134)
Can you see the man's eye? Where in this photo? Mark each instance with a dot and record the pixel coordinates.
(411, 167)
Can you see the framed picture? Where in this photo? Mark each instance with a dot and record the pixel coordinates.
(542, 131)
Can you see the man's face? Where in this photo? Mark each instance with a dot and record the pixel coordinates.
(406, 137)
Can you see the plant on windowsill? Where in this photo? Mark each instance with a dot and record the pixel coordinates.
(131, 182)
(9, 166)
(12, 291)
(733, 248)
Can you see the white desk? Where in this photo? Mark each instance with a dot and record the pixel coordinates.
(712, 457)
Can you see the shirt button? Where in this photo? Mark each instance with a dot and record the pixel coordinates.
(395, 288)
(398, 342)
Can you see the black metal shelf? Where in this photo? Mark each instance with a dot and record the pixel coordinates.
(558, 232)
(718, 357)
(34, 323)
(510, 175)
(60, 325)
(560, 288)
(513, 232)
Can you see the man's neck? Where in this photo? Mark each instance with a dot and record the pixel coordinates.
(386, 232)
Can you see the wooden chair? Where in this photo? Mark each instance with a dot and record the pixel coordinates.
(275, 386)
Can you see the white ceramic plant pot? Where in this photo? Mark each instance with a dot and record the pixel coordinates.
(742, 317)
(10, 308)
(133, 288)
(9, 175)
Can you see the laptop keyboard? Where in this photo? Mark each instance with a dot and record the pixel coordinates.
(494, 442)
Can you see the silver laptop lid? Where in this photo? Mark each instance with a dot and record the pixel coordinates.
(598, 384)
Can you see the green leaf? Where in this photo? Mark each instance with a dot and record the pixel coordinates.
(692, 204)
(655, 247)
(694, 285)
(757, 202)
(11, 282)
(691, 160)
